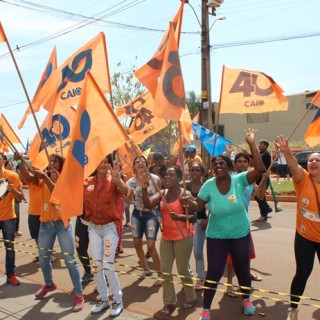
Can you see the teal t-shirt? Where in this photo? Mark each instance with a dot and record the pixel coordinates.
(228, 217)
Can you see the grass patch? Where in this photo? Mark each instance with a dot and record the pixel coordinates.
(284, 187)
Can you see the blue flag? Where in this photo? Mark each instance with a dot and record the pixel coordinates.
(207, 138)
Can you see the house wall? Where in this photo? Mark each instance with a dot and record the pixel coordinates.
(278, 122)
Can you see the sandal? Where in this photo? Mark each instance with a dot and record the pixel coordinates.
(189, 304)
(146, 274)
(255, 277)
(36, 259)
(157, 283)
(53, 259)
(261, 219)
(167, 309)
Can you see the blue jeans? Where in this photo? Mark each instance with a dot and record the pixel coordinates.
(8, 229)
(104, 241)
(144, 222)
(198, 243)
(47, 236)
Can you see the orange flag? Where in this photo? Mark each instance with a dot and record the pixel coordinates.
(66, 82)
(312, 135)
(169, 100)
(51, 66)
(3, 37)
(133, 107)
(126, 155)
(145, 124)
(56, 133)
(149, 73)
(96, 133)
(245, 91)
(7, 132)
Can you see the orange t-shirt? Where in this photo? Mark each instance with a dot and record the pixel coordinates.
(49, 211)
(308, 217)
(35, 199)
(171, 231)
(7, 203)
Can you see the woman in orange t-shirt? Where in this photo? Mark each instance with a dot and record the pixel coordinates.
(177, 238)
(307, 238)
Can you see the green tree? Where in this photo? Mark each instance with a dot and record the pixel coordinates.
(193, 103)
(125, 88)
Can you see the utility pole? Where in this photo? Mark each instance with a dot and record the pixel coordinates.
(206, 105)
(206, 112)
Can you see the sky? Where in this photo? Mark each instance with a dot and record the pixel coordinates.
(279, 38)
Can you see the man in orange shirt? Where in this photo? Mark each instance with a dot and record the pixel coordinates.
(7, 217)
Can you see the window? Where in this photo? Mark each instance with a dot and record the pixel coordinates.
(313, 107)
(257, 117)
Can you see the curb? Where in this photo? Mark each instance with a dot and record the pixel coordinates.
(282, 198)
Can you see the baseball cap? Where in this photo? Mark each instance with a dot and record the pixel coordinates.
(191, 148)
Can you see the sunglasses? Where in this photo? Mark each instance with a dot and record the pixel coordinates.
(219, 163)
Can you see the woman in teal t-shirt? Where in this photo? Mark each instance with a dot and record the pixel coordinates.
(228, 227)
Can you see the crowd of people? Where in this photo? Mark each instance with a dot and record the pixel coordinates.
(171, 196)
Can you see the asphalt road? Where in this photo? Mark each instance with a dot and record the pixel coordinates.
(275, 263)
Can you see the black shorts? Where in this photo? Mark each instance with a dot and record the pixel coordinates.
(283, 170)
(34, 226)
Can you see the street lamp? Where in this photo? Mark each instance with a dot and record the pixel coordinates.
(206, 103)
(218, 19)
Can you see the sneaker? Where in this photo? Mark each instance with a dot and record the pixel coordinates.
(100, 306)
(205, 314)
(44, 290)
(78, 303)
(248, 307)
(12, 280)
(87, 277)
(292, 314)
(116, 309)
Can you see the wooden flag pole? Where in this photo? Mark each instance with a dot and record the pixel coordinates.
(12, 147)
(299, 122)
(27, 96)
(183, 176)
(60, 140)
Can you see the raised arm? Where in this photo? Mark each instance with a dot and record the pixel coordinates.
(24, 173)
(258, 168)
(117, 178)
(295, 168)
(153, 201)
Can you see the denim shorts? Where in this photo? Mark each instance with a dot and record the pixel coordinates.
(144, 222)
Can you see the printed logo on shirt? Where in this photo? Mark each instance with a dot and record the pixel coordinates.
(305, 202)
(90, 188)
(231, 198)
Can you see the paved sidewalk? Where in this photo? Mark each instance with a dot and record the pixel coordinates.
(275, 263)
(20, 303)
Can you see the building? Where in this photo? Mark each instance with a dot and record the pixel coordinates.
(271, 124)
